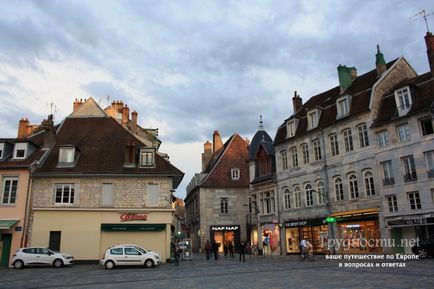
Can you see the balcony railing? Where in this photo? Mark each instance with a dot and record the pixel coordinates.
(410, 177)
(388, 181)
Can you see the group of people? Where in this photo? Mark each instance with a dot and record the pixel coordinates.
(228, 249)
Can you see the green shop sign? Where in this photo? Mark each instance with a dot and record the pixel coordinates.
(133, 227)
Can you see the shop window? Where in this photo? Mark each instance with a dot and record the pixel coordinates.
(354, 188)
(369, 183)
(334, 145)
(339, 189)
(409, 168)
(284, 159)
(388, 178)
(107, 195)
(294, 157)
(316, 149)
(348, 140)
(383, 138)
(426, 125)
(305, 153)
(64, 194)
(9, 193)
(429, 157)
(153, 195)
(297, 197)
(414, 200)
(309, 195)
(287, 198)
(392, 203)
(362, 129)
(224, 203)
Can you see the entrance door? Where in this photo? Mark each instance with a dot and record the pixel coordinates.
(54, 242)
(396, 235)
(6, 249)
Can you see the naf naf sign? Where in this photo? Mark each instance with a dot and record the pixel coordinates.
(225, 228)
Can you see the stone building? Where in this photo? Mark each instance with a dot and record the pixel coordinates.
(326, 161)
(216, 201)
(101, 185)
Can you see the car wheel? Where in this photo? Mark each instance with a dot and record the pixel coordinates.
(422, 253)
(58, 263)
(109, 265)
(18, 264)
(149, 263)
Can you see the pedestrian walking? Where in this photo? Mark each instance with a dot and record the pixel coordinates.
(178, 252)
(225, 250)
(231, 250)
(215, 248)
(243, 251)
(207, 249)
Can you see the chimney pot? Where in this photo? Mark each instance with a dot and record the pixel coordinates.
(297, 102)
(217, 141)
(429, 41)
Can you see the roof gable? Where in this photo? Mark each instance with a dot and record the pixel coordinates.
(89, 109)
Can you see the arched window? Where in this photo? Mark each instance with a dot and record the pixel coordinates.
(287, 198)
(309, 195)
(354, 188)
(321, 192)
(297, 197)
(339, 189)
(369, 183)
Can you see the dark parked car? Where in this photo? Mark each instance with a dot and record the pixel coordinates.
(425, 248)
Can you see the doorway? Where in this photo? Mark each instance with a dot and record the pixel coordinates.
(6, 240)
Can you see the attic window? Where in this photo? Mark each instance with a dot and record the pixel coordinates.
(2, 148)
(66, 155)
(147, 157)
(291, 127)
(20, 150)
(235, 174)
(403, 100)
(342, 105)
(312, 119)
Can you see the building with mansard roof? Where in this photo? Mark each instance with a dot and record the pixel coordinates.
(102, 184)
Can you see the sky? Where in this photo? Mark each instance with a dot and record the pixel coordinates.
(191, 67)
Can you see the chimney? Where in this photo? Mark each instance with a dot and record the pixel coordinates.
(134, 122)
(125, 115)
(429, 41)
(23, 128)
(49, 134)
(297, 102)
(380, 63)
(346, 76)
(77, 104)
(206, 155)
(216, 141)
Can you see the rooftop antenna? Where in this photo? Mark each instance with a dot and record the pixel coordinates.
(421, 14)
(52, 108)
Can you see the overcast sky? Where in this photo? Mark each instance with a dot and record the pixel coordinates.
(192, 67)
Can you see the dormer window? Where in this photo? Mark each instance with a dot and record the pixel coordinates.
(147, 157)
(20, 151)
(312, 119)
(403, 100)
(67, 156)
(235, 174)
(2, 149)
(290, 128)
(343, 106)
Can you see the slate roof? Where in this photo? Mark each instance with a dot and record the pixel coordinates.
(101, 142)
(422, 95)
(260, 136)
(360, 91)
(9, 163)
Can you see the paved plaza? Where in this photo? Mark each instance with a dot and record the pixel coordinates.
(271, 272)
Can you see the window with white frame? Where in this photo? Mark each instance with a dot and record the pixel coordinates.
(403, 100)
(334, 145)
(224, 203)
(153, 194)
(388, 177)
(403, 132)
(107, 195)
(290, 127)
(9, 193)
(20, 150)
(392, 203)
(321, 192)
(409, 168)
(309, 195)
(362, 129)
(64, 194)
(284, 159)
(305, 153)
(66, 155)
(2, 148)
(287, 198)
(267, 201)
(294, 157)
(312, 119)
(339, 189)
(235, 174)
(426, 125)
(342, 107)
(297, 197)
(383, 138)
(354, 188)
(414, 200)
(316, 145)
(147, 157)
(369, 183)
(348, 140)
(429, 158)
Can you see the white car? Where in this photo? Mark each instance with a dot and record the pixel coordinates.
(30, 256)
(129, 254)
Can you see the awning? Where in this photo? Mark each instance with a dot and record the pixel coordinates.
(7, 224)
(354, 213)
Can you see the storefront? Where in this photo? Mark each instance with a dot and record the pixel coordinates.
(358, 231)
(313, 230)
(271, 239)
(225, 234)
(86, 234)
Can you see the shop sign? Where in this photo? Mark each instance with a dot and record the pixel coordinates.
(311, 222)
(133, 217)
(18, 229)
(225, 228)
(410, 222)
(133, 227)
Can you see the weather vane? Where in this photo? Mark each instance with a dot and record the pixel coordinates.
(422, 14)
